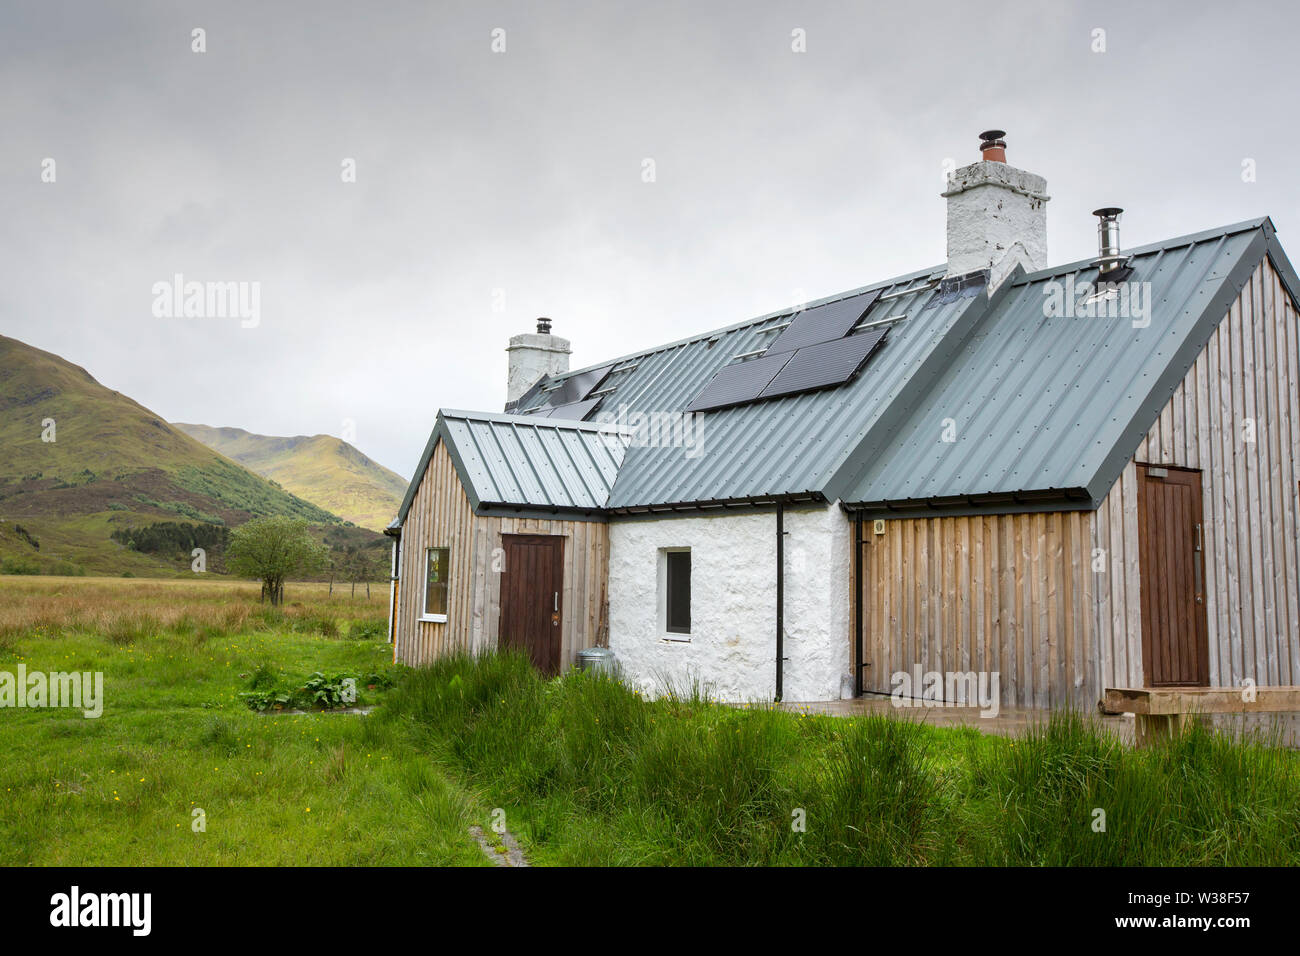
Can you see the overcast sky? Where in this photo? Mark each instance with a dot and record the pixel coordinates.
(488, 179)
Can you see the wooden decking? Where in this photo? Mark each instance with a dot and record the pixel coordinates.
(1008, 722)
(1155, 712)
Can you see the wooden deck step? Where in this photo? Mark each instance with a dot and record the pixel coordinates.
(1161, 711)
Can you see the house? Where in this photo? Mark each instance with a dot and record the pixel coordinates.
(1072, 477)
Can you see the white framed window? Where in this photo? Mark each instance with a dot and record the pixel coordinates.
(437, 574)
(675, 593)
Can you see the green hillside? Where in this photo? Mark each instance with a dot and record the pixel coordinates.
(324, 470)
(112, 464)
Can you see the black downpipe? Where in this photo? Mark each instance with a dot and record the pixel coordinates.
(780, 600)
(857, 599)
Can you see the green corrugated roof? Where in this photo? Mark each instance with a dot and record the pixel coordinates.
(526, 463)
(1046, 409)
(1049, 408)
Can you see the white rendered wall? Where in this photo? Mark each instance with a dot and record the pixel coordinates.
(731, 651)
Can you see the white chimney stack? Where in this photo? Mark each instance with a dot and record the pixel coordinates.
(997, 215)
(533, 356)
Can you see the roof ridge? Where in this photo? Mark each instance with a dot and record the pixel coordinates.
(1176, 242)
(767, 317)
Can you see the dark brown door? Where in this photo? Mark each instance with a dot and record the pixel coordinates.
(1171, 542)
(531, 588)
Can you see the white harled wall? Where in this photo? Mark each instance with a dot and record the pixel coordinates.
(731, 651)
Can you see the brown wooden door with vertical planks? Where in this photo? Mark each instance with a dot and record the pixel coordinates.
(1175, 633)
(532, 585)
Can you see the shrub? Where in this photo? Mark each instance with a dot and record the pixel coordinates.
(19, 566)
(269, 692)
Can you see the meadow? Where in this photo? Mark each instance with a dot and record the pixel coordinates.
(581, 769)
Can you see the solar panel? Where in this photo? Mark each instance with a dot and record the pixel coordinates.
(822, 323)
(576, 387)
(524, 400)
(824, 364)
(740, 383)
(574, 411)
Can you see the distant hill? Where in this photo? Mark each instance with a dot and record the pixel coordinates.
(112, 464)
(322, 469)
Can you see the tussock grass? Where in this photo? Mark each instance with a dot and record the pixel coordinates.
(591, 773)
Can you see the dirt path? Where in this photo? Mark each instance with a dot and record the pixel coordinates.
(505, 853)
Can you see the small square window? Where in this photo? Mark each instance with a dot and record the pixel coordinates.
(437, 561)
(677, 581)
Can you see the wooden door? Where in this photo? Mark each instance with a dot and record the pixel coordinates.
(532, 586)
(1171, 541)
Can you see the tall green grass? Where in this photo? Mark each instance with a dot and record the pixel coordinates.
(591, 773)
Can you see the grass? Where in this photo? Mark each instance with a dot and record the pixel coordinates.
(315, 789)
(590, 774)
(585, 770)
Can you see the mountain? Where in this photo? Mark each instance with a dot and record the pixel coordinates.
(79, 461)
(324, 470)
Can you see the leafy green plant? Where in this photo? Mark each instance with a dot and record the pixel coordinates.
(267, 691)
(273, 699)
(330, 692)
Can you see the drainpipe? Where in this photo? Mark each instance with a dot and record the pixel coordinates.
(780, 600)
(394, 614)
(858, 664)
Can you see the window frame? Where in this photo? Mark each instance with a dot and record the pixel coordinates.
(425, 614)
(667, 604)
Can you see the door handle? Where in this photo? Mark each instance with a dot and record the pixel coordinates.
(556, 606)
(1197, 568)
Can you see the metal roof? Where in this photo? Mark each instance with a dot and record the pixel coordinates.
(1045, 408)
(1049, 408)
(526, 463)
(786, 447)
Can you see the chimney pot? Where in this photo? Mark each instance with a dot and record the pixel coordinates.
(543, 326)
(993, 148)
(1109, 257)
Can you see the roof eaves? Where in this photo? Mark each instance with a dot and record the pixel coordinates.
(1001, 502)
(1286, 272)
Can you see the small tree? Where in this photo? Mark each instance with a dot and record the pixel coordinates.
(271, 549)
